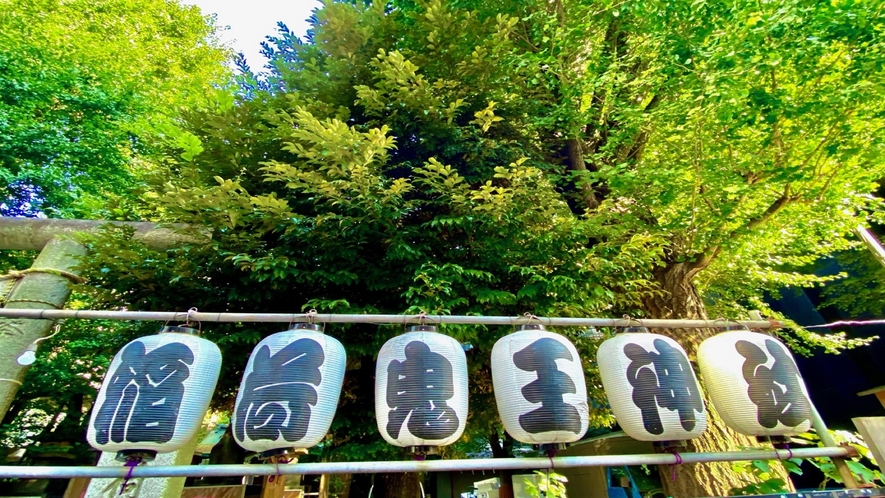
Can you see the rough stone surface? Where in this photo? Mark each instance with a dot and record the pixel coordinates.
(165, 487)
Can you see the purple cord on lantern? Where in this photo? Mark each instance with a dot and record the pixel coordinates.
(786, 447)
(678, 462)
(131, 463)
(276, 462)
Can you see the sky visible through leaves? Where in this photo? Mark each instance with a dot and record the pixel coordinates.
(248, 23)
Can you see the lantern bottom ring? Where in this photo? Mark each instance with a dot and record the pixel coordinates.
(135, 455)
(777, 442)
(280, 452)
(551, 447)
(424, 450)
(669, 446)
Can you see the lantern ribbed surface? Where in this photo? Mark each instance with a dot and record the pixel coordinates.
(754, 384)
(651, 387)
(290, 390)
(421, 389)
(155, 393)
(539, 387)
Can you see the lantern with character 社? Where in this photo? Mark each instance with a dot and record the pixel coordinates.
(754, 384)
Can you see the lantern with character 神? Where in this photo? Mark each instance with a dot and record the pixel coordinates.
(155, 394)
(539, 387)
(289, 391)
(651, 387)
(421, 389)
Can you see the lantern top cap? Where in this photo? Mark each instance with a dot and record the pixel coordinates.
(737, 327)
(635, 330)
(422, 328)
(530, 326)
(179, 330)
(307, 326)
(282, 452)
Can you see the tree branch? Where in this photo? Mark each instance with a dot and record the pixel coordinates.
(576, 163)
(710, 254)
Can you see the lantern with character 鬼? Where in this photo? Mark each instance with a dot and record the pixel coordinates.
(421, 389)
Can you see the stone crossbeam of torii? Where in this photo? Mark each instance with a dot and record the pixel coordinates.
(47, 284)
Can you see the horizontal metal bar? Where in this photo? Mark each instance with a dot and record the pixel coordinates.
(200, 316)
(27, 472)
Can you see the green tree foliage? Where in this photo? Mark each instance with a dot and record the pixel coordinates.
(565, 158)
(89, 93)
(53, 405)
(87, 89)
(861, 295)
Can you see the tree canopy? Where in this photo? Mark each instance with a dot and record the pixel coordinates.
(572, 158)
(87, 89)
(90, 93)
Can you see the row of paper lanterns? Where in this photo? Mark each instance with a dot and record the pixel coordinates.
(158, 389)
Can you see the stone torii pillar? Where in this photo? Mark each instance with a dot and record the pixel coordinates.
(47, 284)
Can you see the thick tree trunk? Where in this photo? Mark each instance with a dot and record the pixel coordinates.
(397, 486)
(342, 490)
(503, 449)
(681, 300)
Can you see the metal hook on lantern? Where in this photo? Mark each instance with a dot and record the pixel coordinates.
(735, 325)
(525, 322)
(188, 321)
(638, 328)
(531, 317)
(312, 320)
(725, 327)
(174, 317)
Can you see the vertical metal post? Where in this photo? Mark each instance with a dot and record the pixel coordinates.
(873, 431)
(36, 290)
(872, 244)
(827, 439)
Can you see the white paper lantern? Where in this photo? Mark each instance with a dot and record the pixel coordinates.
(290, 390)
(651, 387)
(539, 386)
(155, 394)
(754, 384)
(421, 389)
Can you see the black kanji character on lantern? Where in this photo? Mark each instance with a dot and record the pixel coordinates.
(278, 393)
(774, 390)
(669, 385)
(554, 414)
(143, 398)
(418, 389)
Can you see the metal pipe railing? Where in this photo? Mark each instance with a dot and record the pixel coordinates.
(199, 316)
(27, 472)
